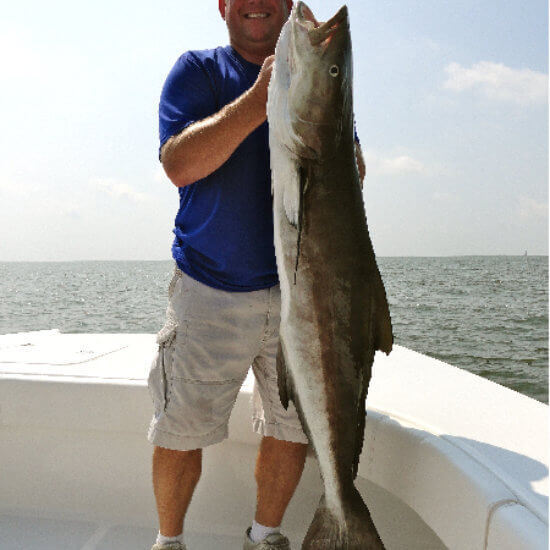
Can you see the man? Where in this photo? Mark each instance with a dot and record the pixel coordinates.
(224, 299)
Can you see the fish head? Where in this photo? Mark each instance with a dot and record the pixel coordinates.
(320, 80)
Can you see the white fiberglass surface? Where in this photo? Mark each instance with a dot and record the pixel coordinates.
(400, 527)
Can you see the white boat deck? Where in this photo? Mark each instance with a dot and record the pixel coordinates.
(24, 533)
(450, 460)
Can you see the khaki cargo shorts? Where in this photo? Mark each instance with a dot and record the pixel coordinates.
(210, 340)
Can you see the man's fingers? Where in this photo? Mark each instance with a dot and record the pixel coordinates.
(262, 82)
(268, 64)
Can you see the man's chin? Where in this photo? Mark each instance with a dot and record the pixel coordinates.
(265, 39)
(261, 27)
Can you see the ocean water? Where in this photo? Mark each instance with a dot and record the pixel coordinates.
(485, 314)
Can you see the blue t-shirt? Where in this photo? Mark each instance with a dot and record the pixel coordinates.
(224, 226)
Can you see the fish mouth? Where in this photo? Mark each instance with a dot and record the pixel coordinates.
(321, 33)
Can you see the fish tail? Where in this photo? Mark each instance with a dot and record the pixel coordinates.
(356, 531)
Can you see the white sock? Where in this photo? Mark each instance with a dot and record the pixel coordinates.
(161, 539)
(260, 532)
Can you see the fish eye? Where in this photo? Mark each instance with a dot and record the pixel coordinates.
(334, 71)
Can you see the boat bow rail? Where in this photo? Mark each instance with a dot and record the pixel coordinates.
(467, 455)
(470, 456)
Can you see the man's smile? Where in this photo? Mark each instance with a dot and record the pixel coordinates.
(256, 15)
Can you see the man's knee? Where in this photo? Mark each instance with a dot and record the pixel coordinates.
(188, 463)
(282, 446)
(276, 454)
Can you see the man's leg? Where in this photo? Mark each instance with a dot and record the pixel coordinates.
(175, 476)
(279, 467)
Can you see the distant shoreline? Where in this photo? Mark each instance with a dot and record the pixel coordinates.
(378, 256)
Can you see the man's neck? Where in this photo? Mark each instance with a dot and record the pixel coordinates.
(256, 57)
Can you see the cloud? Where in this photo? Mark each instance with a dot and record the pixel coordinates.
(498, 82)
(379, 164)
(529, 208)
(116, 188)
(38, 199)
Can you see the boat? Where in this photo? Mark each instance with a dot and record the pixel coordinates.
(450, 460)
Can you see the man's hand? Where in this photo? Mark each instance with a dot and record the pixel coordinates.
(259, 88)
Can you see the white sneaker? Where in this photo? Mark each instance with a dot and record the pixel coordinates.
(276, 541)
(171, 546)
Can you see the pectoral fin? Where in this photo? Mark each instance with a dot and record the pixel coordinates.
(284, 382)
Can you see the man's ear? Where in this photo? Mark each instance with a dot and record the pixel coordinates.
(222, 7)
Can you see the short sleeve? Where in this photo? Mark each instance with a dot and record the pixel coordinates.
(187, 96)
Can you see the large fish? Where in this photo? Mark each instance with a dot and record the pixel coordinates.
(334, 312)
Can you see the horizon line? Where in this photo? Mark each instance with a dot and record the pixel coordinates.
(378, 256)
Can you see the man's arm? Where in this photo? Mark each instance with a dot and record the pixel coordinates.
(360, 163)
(204, 146)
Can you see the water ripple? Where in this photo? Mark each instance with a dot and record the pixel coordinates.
(485, 314)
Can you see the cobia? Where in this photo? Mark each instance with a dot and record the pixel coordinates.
(334, 312)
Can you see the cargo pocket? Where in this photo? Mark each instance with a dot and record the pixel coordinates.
(159, 375)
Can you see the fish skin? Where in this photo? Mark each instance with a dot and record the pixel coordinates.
(334, 311)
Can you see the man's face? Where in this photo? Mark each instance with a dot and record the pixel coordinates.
(255, 24)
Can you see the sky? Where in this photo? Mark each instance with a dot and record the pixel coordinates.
(450, 98)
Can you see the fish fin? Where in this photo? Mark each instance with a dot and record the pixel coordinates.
(383, 328)
(355, 531)
(286, 388)
(285, 392)
(381, 339)
(361, 413)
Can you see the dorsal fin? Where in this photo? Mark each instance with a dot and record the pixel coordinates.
(381, 338)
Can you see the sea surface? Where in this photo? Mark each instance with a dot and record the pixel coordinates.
(485, 314)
